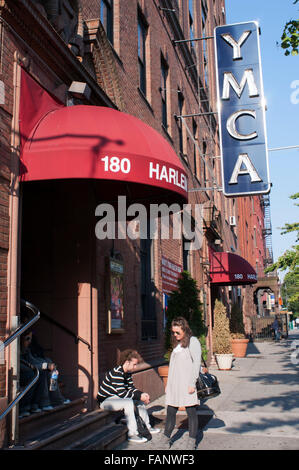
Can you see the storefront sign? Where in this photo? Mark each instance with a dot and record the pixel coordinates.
(241, 108)
(170, 274)
(150, 170)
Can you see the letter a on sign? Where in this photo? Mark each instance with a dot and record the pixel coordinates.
(241, 110)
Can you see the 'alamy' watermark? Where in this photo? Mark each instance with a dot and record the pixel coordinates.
(295, 353)
(187, 222)
(295, 94)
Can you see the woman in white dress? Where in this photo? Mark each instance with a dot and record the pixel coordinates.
(181, 385)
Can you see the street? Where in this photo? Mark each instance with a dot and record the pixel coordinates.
(258, 408)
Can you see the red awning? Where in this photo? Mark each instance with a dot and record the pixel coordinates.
(104, 144)
(229, 269)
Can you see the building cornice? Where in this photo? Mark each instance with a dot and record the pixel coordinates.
(24, 18)
(104, 60)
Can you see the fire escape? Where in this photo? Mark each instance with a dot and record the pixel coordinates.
(267, 230)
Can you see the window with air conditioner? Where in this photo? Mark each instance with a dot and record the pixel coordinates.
(232, 221)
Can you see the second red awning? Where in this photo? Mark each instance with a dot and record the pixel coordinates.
(228, 269)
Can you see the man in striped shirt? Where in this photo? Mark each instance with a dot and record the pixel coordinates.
(117, 392)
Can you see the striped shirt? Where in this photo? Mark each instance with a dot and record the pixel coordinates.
(118, 383)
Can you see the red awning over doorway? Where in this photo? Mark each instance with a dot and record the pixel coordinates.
(229, 269)
(104, 144)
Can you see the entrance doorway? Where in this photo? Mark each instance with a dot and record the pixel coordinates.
(57, 275)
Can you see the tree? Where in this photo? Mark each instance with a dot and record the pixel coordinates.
(290, 260)
(290, 291)
(295, 226)
(290, 36)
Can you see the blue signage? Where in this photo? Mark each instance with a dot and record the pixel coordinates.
(241, 108)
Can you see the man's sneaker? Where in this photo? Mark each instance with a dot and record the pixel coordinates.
(154, 430)
(47, 408)
(137, 439)
(23, 414)
(35, 409)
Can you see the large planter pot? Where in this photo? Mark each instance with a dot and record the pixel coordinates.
(224, 361)
(163, 372)
(239, 347)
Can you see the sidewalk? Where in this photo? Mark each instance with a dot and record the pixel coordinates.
(258, 408)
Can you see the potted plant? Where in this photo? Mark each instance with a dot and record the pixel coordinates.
(237, 331)
(221, 337)
(184, 302)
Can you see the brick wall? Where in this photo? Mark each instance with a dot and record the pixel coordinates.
(148, 109)
(6, 75)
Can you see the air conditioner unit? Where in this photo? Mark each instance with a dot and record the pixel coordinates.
(232, 221)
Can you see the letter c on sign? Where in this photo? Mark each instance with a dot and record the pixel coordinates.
(231, 125)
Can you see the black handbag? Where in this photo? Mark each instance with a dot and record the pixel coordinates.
(207, 386)
(141, 426)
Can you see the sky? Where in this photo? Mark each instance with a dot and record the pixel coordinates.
(281, 88)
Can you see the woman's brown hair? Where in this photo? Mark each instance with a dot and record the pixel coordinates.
(181, 322)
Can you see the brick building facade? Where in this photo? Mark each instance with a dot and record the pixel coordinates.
(132, 57)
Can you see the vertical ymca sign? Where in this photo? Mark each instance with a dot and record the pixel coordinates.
(241, 109)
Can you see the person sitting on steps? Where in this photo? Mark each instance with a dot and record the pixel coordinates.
(39, 397)
(117, 392)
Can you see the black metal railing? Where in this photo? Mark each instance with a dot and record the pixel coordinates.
(261, 327)
(76, 337)
(16, 334)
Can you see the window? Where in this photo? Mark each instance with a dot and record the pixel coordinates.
(254, 237)
(164, 77)
(148, 318)
(194, 133)
(142, 33)
(204, 15)
(191, 25)
(252, 205)
(1, 59)
(179, 121)
(186, 259)
(205, 157)
(107, 18)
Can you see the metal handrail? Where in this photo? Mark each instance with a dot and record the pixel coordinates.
(77, 338)
(8, 341)
(21, 394)
(19, 331)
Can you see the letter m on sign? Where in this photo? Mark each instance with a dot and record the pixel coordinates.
(241, 110)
